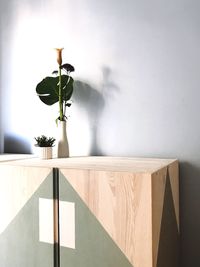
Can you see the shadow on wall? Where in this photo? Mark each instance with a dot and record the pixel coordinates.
(94, 101)
(109, 88)
(190, 215)
(86, 97)
(16, 144)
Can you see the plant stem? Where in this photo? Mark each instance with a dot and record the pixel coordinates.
(60, 95)
(68, 73)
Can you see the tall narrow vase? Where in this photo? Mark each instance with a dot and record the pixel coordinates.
(63, 146)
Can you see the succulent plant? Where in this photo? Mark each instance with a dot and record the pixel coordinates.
(44, 141)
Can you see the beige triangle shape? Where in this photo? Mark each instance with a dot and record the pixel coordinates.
(174, 182)
(158, 192)
(17, 185)
(118, 200)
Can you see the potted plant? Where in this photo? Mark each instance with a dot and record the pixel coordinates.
(58, 88)
(45, 143)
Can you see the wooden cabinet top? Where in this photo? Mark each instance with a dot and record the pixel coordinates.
(104, 163)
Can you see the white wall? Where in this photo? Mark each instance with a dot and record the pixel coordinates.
(137, 63)
(141, 57)
(1, 101)
(1, 130)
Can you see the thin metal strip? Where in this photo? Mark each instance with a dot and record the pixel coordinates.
(56, 217)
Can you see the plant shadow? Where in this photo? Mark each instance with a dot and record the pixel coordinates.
(16, 144)
(91, 100)
(94, 102)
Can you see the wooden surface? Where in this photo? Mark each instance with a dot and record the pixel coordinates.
(135, 165)
(20, 190)
(158, 191)
(13, 157)
(128, 197)
(173, 171)
(17, 184)
(129, 205)
(165, 216)
(122, 204)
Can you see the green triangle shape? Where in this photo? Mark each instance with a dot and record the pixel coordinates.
(20, 246)
(94, 246)
(19, 243)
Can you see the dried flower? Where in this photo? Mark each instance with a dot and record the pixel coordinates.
(59, 55)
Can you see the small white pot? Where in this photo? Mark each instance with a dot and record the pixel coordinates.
(46, 152)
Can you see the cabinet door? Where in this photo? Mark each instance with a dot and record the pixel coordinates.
(23, 192)
(84, 242)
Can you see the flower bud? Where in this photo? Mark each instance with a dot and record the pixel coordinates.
(59, 55)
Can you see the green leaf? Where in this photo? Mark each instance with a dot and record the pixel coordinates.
(55, 72)
(68, 67)
(68, 104)
(67, 87)
(44, 141)
(48, 89)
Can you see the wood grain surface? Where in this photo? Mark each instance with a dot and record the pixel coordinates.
(126, 195)
(122, 204)
(118, 164)
(17, 184)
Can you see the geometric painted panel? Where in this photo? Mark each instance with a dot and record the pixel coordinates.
(19, 243)
(168, 249)
(94, 247)
(121, 203)
(17, 184)
(139, 212)
(107, 218)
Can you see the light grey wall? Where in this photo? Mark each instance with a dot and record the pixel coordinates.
(7, 10)
(137, 91)
(1, 130)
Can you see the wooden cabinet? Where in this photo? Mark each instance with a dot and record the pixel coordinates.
(113, 212)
